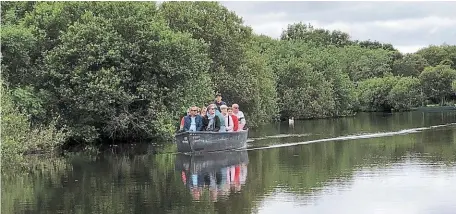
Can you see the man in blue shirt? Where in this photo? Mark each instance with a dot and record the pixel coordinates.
(193, 122)
(218, 101)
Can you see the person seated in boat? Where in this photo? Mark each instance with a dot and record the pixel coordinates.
(220, 116)
(213, 123)
(218, 101)
(205, 118)
(193, 122)
(181, 127)
(240, 116)
(229, 125)
(235, 119)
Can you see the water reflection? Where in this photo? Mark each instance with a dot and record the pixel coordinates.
(221, 173)
(385, 174)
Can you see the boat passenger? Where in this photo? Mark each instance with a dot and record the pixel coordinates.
(218, 101)
(193, 122)
(235, 119)
(240, 116)
(220, 116)
(229, 124)
(205, 118)
(181, 127)
(213, 119)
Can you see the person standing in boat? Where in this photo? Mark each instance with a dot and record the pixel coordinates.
(229, 125)
(193, 122)
(218, 101)
(213, 123)
(235, 119)
(240, 116)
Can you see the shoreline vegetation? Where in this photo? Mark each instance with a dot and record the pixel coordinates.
(91, 73)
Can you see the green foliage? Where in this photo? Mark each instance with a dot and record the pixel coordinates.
(437, 82)
(409, 65)
(128, 70)
(19, 137)
(373, 93)
(439, 55)
(127, 77)
(319, 37)
(17, 44)
(405, 94)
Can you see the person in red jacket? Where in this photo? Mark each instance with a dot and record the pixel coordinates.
(181, 127)
(235, 119)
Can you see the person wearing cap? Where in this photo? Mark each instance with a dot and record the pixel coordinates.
(218, 101)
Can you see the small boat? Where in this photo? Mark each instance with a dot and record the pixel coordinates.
(206, 141)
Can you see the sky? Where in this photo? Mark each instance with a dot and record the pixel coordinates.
(409, 26)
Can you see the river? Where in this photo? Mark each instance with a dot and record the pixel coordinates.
(369, 163)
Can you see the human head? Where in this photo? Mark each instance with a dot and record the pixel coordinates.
(235, 108)
(230, 111)
(199, 110)
(193, 110)
(203, 111)
(211, 109)
(218, 97)
(223, 109)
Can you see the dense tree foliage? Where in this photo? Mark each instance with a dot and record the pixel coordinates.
(128, 70)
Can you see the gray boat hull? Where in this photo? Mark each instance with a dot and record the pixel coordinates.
(190, 142)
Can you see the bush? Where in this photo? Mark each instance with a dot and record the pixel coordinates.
(19, 137)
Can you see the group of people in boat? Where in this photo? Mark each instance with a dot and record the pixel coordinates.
(216, 117)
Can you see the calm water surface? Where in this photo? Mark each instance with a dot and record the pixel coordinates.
(370, 163)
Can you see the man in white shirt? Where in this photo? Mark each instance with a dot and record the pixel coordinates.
(239, 115)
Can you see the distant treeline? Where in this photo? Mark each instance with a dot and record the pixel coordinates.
(89, 71)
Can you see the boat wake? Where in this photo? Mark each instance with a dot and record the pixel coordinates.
(278, 136)
(353, 137)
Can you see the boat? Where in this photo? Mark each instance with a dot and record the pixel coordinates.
(206, 141)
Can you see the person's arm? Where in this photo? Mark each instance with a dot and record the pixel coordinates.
(182, 123)
(217, 124)
(231, 124)
(241, 118)
(199, 125)
(186, 125)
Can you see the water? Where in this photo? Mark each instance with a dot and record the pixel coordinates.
(370, 163)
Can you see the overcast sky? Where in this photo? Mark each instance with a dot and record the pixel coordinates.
(407, 25)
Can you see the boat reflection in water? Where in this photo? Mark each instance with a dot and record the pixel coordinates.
(218, 173)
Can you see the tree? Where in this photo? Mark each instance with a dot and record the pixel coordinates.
(125, 86)
(409, 65)
(436, 82)
(320, 37)
(438, 55)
